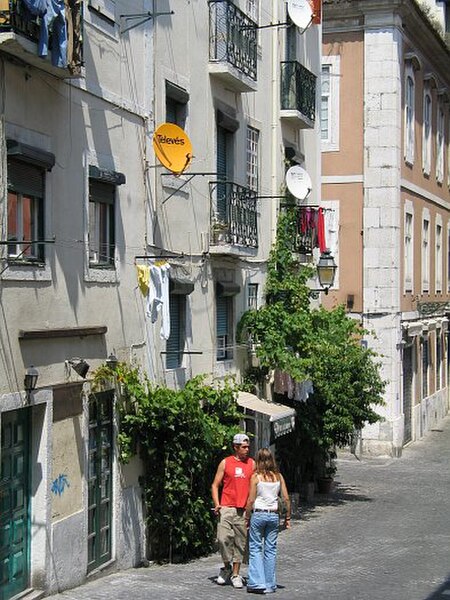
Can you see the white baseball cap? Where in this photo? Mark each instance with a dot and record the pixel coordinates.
(240, 438)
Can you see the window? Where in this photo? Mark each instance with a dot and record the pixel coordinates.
(438, 258)
(177, 100)
(409, 255)
(425, 255)
(225, 292)
(101, 223)
(226, 126)
(176, 341)
(329, 104)
(252, 158)
(426, 133)
(425, 360)
(253, 10)
(252, 296)
(440, 145)
(448, 258)
(438, 359)
(25, 221)
(224, 307)
(409, 117)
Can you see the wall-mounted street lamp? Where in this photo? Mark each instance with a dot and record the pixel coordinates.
(79, 365)
(30, 381)
(112, 361)
(326, 272)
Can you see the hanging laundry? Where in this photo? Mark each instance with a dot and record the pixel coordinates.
(158, 297)
(143, 274)
(321, 230)
(54, 22)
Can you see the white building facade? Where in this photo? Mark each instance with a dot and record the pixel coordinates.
(85, 204)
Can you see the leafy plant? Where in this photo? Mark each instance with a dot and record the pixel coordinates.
(181, 436)
(318, 345)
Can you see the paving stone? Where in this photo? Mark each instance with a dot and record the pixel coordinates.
(383, 534)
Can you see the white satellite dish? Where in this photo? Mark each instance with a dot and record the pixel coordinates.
(300, 12)
(298, 182)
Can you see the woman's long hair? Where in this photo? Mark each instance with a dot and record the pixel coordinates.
(266, 465)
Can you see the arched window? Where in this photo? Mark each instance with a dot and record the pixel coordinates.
(409, 118)
(426, 133)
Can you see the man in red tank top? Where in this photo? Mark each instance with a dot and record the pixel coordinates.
(233, 475)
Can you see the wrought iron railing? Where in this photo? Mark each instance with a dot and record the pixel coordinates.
(232, 37)
(298, 89)
(233, 214)
(15, 16)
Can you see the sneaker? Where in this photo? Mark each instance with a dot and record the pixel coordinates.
(224, 575)
(236, 581)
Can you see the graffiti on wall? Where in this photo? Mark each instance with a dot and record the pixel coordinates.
(60, 484)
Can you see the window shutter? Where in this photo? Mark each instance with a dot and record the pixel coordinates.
(25, 178)
(221, 315)
(221, 173)
(173, 344)
(100, 191)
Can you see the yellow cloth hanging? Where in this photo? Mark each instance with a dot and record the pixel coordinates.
(143, 272)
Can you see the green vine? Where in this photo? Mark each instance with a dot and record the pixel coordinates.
(312, 344)
(181, 436)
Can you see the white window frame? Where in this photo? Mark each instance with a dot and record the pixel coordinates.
(440, 137)
(252, 158)
(410, 96)
(438, 255)
(252, 296)
(332, 224)
(409, 247)
(426, 131)
(448, 257)
(331, 142)
(425, 271)
(253, 10)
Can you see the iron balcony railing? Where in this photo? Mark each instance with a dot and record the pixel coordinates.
(298, 89)
(15, 16)
(232, 37)
(233, 214)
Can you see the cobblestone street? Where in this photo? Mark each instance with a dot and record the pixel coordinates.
(384, 534)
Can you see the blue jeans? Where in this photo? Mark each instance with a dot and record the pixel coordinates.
(263, 537)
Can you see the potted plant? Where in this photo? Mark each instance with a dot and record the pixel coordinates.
(325, 481)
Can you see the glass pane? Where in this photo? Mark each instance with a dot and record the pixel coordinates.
(4, 536)
(19, 498)
(6, 467)
(13, 230)
(18, 465)
(104, 514)
(91, 549)
(27, 221)
(6, 436)
(18, 431)
(104, 541)
(18, 531)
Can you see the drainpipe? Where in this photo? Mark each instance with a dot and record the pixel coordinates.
(275, 94)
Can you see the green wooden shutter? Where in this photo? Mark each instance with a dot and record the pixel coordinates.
(173, 344)
(222, 315)
(222, 169)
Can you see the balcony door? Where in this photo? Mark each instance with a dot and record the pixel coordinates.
(100, 479)
(14, 503)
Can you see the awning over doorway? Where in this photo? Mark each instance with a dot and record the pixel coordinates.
(280, 416)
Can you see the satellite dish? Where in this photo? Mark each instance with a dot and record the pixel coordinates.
(172, 147)
(298, 182)
(300, 12)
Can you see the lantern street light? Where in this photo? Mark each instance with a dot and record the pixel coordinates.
(30, 381)
(326, 272)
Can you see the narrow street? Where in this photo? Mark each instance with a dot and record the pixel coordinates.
(384, 534)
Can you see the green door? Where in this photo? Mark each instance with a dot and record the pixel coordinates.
(99, 478)
(14, 503)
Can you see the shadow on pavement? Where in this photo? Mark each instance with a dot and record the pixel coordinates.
(340, 495)
(442, 592)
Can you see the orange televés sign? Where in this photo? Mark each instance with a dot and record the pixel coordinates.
(172, 147)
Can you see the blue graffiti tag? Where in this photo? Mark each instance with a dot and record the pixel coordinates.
(60, 484)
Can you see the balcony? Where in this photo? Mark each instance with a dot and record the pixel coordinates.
(298, 95)
(234, 219)
(51, 42)
(232, 46)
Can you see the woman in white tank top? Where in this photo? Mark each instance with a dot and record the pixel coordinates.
(266, 485)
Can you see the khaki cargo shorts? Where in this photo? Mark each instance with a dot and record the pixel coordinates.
(232, 534)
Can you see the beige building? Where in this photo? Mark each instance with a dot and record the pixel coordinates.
(385, 162)
(84, 202)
